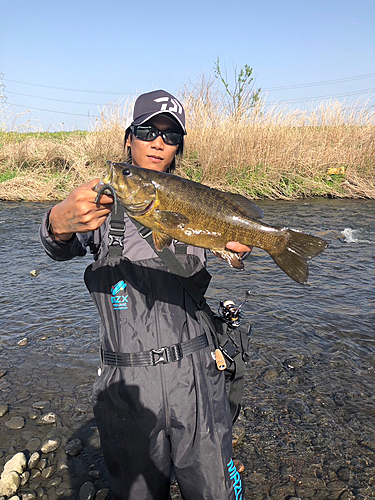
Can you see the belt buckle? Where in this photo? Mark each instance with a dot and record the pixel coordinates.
(116, 240)
(163, 353)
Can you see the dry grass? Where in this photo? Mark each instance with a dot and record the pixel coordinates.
(278, 153)
(270, 152)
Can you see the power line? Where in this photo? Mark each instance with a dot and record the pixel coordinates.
(305, 99)
(59, 100)
(360, 92)
(326, 82)
(285, 87)
(53, 111)
(73, 90)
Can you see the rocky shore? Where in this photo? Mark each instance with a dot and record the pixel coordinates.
(290, 446)
(47, 457)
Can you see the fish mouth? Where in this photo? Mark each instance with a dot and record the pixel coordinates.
(139, 209)
(110, 172)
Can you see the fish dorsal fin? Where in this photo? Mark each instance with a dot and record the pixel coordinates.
(161, 240)
(249, 206)
(233, 259)
(170, 220)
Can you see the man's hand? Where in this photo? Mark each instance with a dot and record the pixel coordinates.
(79, 213)
(238, 247)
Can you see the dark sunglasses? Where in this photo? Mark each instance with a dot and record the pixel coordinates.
(151, 133)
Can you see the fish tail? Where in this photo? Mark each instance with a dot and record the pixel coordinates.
(300, 248)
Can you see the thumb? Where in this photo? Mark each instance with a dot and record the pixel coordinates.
(91, 184)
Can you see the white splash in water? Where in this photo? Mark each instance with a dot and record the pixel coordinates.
(353, 236)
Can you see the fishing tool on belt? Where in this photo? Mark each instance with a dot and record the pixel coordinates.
(233, 345)
(230, 313)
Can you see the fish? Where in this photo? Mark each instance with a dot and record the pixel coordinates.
(175, 208)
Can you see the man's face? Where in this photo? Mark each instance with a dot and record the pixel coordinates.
(154, 155)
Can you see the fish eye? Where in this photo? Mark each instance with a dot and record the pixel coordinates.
(126, 172)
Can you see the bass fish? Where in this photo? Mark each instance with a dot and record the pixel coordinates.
(195, 214)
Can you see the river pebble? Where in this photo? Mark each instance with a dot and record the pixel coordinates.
(102, 494)
(47, 418)
(29, 495)
(23, 342)
(33, 444)
(278, 491)
(311, 483)
(33, 414)
(74, 447)
(56, 481)
(87, 491)
(4, 408)
(33, 460)
(48, 471)
(25, 476)
(9, 483)
(51, 444)
(15, 423)
(256, 477)
(63, 464)
(35, 473)
(238, 434)
(41, 405)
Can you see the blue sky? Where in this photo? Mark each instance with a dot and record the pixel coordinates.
(103, 51)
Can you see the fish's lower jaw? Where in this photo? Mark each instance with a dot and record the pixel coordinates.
(141, 209)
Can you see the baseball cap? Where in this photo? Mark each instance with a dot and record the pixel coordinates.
(154, 103)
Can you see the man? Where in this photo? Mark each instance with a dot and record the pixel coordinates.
(159, 398)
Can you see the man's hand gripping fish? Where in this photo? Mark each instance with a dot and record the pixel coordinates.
(195, 214)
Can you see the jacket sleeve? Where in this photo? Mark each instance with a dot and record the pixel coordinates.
(63, 250)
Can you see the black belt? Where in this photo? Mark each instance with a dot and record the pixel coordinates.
(153, 357)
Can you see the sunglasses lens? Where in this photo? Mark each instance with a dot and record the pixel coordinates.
(146, 133)
(171, 138)
(151, 133)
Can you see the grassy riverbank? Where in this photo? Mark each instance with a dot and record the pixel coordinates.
(268, 152)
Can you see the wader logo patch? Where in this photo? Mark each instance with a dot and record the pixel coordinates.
(236, 480)
(119, 299)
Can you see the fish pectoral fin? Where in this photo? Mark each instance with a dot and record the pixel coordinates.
(170, 219)
(233, 259)
(161, 240)
(251, 208)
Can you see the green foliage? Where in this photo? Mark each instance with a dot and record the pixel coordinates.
(291, 186)
(250, 181)
(335, 183)
(243, 96)
(192, 172)
(62, 180)
(7, 175)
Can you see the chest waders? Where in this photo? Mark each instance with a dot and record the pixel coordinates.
(158, 398)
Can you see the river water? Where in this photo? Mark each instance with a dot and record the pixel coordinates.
(309, 406)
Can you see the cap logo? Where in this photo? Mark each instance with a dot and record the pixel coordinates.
(174, 108)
